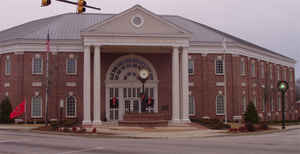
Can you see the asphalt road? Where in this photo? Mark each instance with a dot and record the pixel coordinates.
(32, 143)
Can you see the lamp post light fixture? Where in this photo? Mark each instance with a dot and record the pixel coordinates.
(143, 77)
(283, 86)
(61, 107)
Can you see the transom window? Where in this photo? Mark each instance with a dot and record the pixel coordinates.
(220, 105)
(36, 107)
(133, 64)
(71, 65)
(37, 64)
(219, 66)
(192, 105)
(7, 65)
(71, 106)
(191, 66)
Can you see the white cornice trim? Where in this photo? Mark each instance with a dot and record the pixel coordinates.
(235, 51)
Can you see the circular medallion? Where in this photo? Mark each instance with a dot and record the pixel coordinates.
(137, 21)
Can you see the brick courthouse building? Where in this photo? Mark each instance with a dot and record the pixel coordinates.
(96, 58)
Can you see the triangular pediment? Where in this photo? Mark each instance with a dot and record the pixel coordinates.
(136, 21)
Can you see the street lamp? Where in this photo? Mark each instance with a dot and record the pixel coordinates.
(143, 77)
(283, 86)
(61, 107)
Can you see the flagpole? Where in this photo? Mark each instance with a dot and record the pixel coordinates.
(225, 82)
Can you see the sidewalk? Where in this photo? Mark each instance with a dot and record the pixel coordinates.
(154, 132)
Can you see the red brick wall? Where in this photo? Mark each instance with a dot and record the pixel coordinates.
(204, 89)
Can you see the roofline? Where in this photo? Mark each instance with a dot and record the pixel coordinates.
(238, 39)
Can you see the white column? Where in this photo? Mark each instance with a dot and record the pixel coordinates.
(175, 86)
(87, 86)
(97, 86)
(185, 86)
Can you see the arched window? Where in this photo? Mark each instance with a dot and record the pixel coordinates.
(37, 64)
(71, 106)
(220, 105)
(7, 65)
(36, 107)
(71, 67)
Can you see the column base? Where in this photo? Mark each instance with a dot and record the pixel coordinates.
(86, 122)
(97, 123)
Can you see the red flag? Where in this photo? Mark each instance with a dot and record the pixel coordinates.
(19, 110)
(48, 42)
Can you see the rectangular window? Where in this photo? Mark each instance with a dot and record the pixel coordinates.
(37, 65)
(253, 70)
(244, 103)
(272, 104)
(7, 66)
(220, 105)
(191, 67)
(71, 66)
(191, 105)
(271, 72)
(254, 101)
(263, 104)
(219, 67)
(36, 107)
(279, 103)
(278, 73)
(262, 70)
(291, 76)
(243, 67)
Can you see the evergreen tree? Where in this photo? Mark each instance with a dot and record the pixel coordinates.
(251, 115)
(5, 110)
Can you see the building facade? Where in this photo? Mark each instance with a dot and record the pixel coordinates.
(195, 71)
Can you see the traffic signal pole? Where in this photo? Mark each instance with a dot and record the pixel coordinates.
(75, 3)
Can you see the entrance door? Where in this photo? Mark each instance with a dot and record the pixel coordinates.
(114, 104)
(132, 100)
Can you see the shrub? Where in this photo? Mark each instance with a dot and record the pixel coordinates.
(250, 127)
(251, 115)
(5, 110)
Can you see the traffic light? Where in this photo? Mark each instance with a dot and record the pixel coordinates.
(81, 6)
(46, 2)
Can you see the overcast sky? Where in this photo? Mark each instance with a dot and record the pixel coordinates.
(273, 24)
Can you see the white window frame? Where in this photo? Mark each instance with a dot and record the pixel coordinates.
(284, 75)
(7, 66)
(219, 58)
(262, 70)
(37, 56)
(71, 57)
(278, 73)
(243, 67)
(244, 103)
(67, 109)
(253, 69)
(291, 76)
(219, 113)
(191, 61)
(41, 103)
(271, 72)
(192, 112)
(272, 104)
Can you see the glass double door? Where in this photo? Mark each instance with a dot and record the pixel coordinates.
(132, 100)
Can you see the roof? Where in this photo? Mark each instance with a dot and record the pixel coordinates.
(68, 27)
